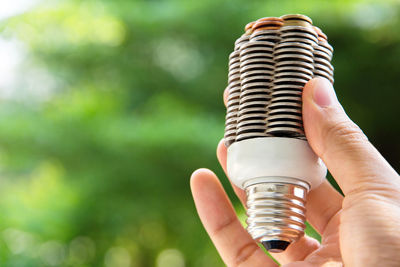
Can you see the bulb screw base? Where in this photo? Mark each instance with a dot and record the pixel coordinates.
(276, 213)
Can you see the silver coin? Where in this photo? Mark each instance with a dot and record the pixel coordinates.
(251, 110)
(277, 87)
(293, 69)
(233, 60)
(324, 75)
(319, 53)
(293, 57)
(251, 122)
(300, 36)
(252, 128)
(284, 123)
(253, 50)
(326, 45)
(296, 63)
(234, 83)
(284, 116)
(234, 65)
(286, 29)
(293, 74)
(289, 50)
(255, 91)
(228, 140)
(286, 92)
(232, 102)
(285, 44)
(283, 104)
(259, 85)
(243, 39)
(231, 133)
(234, 77)
(233, 73)
(230, 127)
(231, 115)
(260, 115)
(285, 110)
(267, 67)
(268, 35)
(283, 129)
(297, 81)
(258, 43)
(256, 61)
(261, 78)
(234, 54)
(233, 95)
(324, 62)
(232, 109)
(304, 40)
(233, 91)
(322, 72)
(286, 98)
(262, 57)
(323, 49)
(321, 63)
(253, 103)
(231, 121)
(248, 98)
(256, 72)
(232, 99)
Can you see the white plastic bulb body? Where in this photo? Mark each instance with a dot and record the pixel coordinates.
(276, 173)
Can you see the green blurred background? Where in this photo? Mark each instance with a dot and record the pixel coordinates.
(108, 106)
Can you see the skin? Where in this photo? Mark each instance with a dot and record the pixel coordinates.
(360, 229)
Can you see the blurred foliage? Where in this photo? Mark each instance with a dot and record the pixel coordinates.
(117, 102)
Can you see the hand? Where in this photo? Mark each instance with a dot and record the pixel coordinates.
(360, 229)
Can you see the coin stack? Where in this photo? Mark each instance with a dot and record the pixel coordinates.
(271, 63)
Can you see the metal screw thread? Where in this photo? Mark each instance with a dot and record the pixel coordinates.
(276, 211)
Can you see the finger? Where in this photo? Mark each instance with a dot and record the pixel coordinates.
(322, 202)
(226, 94)
(349, 156)
(216, 212)
(221, 155)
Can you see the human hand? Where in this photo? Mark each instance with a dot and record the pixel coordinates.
(360, 229)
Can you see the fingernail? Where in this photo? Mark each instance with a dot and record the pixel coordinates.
(324, 94)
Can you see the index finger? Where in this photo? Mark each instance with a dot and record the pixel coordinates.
(218, 216)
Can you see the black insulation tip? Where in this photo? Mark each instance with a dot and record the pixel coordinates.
(275, 246)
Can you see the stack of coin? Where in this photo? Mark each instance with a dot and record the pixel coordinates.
(323, 56)
(268, 69)
(234, 88)
(256, 74)
(293, 57)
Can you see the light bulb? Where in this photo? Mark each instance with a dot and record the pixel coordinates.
(268, 154)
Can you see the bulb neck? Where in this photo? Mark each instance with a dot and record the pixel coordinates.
(264, 159)
(276, 212)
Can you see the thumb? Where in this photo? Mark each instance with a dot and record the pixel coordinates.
(350, 157)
